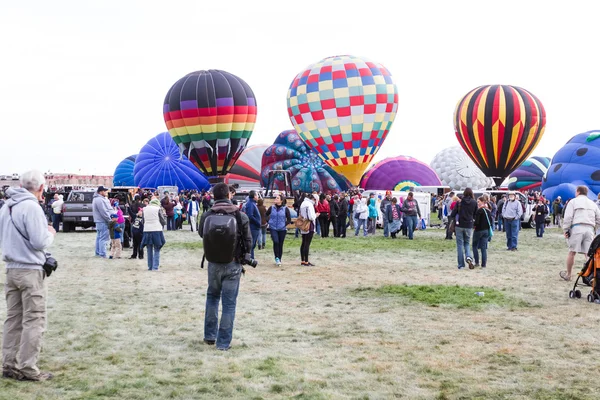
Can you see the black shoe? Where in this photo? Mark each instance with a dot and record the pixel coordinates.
(141, 257)
(310, 264)
(210, 342)
(132, 257)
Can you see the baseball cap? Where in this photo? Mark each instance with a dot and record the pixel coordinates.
(102, 189)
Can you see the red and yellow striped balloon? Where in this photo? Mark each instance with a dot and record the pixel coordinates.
(499, 126)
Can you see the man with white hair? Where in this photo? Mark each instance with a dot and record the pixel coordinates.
(24, 236)
(102, 210)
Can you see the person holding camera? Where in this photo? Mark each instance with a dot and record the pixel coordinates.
(24, 236)
(582, 219)
(227, 240)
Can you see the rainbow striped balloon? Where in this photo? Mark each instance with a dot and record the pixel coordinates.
(343, 108)
(210, 115)
(499, 126)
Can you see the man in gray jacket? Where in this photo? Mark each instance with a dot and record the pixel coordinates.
(101, 210)
(24, 234)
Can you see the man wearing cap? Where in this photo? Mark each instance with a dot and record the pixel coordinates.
(383, 207)
(511, 212)
(101, 210)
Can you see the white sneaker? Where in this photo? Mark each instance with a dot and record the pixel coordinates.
(470, 262)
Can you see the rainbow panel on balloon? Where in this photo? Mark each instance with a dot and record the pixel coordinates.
(576, 163)
(499, 126)
(246, 171)
(308, 171)
(399, 173)
(123, 175)
(456, 170)
(343, 107)
(529, 174)
(160, 164)
(210, 115)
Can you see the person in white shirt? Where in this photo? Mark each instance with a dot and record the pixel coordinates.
(57, 205)
(582, 219)
(193, 209)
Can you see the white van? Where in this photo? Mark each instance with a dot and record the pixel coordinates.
(423, 199)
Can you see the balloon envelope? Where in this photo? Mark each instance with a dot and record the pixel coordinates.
(456, 170)
(499, 126)
(529, 174)
(123, 175)
(399, 173)
(247, 169)
(576, 163)
(308, 171)
(160, 164)
(210, 115)
(343, 107)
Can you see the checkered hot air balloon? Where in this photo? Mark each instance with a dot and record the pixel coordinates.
(499, 126)
(210, 115)
(343, 108)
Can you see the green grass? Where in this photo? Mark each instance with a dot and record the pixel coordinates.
(438, 295)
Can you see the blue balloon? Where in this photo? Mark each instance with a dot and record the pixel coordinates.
(577, 163)
(123, 175)
(159, 164)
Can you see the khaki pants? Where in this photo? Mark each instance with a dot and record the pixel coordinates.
(116, 247)
(25, 320)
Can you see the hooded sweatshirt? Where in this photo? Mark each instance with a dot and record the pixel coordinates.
(101, 208)
(29, 217)
(361, 209)
(372, 209)
(465, 209)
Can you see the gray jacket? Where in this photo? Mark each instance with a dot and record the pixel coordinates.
(101, 208)
(18, 251)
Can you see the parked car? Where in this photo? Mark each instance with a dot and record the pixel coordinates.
(77, 210)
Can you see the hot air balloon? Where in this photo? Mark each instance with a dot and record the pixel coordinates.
(247, 169)
(399, 173)
(123, 175)
(343, 108)
(210, 115)
(576, 163)
(529, 174)
(308, 171)
(499, 126)
(160, 164)
(456, 170)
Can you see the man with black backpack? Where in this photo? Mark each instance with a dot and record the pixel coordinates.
(225, 232)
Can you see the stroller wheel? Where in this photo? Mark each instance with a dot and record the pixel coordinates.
(571, 294)
(578, 294)
(590, 298)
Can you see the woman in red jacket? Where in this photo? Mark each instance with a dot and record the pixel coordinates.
(323, 210)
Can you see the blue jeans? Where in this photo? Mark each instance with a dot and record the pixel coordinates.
(263, 236)
(255, 233)
(102, 238)
(500, 222)
(463, 244)
(278, 239)
(512, 233)
(411, 224)
(56, 218)
(318, 227)
(153, 254)
(539, 228)
(386, 226)
(223, 284)
(359, 223)
(480, 242)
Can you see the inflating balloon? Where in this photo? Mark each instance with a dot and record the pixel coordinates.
(247, 169)
(160, 164)
(308, 171)
(576, 163)
(399, 173)
(529, 174)
(456, 170)
(123, 175)
(343, 108)
(210, 115)
(499, 126)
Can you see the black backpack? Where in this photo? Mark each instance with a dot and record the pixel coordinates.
(220, 238)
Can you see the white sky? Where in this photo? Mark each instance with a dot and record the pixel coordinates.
(82, 83)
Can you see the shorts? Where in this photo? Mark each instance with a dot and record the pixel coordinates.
(581, 239)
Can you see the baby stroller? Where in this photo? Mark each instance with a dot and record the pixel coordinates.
(589, 275)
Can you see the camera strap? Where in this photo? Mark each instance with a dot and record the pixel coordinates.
(15, 225)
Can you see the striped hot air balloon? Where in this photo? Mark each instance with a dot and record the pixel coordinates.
(210, 115)
(499, 126)
(529, 175)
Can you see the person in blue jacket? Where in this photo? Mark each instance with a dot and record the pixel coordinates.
(279, 218)
(253, 214)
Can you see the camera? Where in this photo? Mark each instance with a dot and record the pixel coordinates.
(248, 260)
(50, 265)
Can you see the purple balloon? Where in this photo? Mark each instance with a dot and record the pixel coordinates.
(399, 173)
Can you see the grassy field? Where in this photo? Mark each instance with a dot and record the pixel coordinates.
(376, 319)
